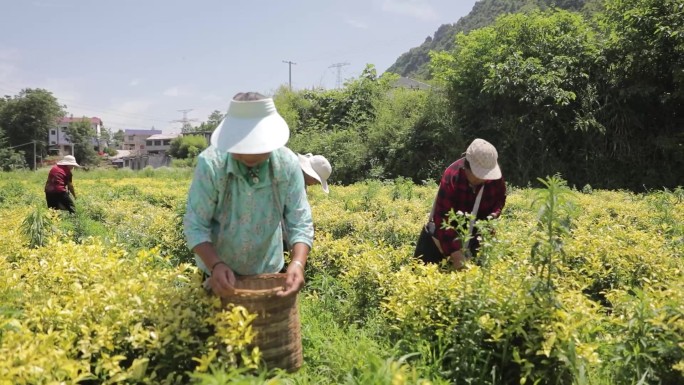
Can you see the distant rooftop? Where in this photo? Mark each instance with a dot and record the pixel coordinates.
(163, 136)
(142, 132)
(71, 119)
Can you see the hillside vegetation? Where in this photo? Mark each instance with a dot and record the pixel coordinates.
(415, 62)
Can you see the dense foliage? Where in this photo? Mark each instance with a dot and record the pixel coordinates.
(81, 134)
(26, 118)
(598, 99)
(575, 288)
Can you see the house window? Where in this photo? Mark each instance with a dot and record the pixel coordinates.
(157, 142)
(142, 146)
(53, 142)
(131, 138)
(167, 142)
(149, 142)
(53, 132)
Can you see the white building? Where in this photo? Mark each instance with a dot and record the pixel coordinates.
(159, 143)
(58, 139)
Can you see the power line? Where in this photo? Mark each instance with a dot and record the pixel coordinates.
(184, 121)
(289, 64)
(339, 68)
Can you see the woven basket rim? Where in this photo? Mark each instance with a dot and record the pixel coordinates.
(270, 292)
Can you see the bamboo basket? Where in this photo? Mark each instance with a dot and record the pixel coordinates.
(277, 326)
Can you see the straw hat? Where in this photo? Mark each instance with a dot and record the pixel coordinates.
(68, 160)
(482, 157)
(317, 167)
(251, 127)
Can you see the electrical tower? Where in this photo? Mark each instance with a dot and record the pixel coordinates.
(339, 70)
(185, 121)
(289, 64)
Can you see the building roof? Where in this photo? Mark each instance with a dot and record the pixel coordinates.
(141, 132)
(71, 119)
(163, 136)
(120, 154)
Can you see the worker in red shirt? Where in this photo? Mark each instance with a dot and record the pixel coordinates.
(473, 184)
(59, 185)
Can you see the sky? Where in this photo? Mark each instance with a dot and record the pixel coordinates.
(137, 64)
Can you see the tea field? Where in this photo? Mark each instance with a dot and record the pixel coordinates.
(570, 287)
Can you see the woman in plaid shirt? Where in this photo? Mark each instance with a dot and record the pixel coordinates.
(476, 173)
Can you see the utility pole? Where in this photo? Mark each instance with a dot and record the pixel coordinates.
(339, 68)
(289, 64)
(185, 121)
(35, 165)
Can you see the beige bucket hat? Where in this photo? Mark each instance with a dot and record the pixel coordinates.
(68, 160)
(482, 157)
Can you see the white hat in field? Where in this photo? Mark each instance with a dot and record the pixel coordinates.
(68, 160)
(317, 167)
(251, 127)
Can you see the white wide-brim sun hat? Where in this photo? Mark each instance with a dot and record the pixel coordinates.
(482, 157)
(251, 127)
(68, 160)
(317, 167)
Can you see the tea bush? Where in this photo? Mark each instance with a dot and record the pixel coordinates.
(84, 312)
(585, 293)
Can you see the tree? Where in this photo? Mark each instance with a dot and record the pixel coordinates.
(81, 135)
(9, 158)
(210, 125)
(525, 84)
(118, 138)
(213, 121)
(28, 117)
(644, 89)
(106, 135)
(187, 146)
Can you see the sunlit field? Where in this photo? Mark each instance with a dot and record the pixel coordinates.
(572, 286)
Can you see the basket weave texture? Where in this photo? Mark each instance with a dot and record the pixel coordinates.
(277, 326)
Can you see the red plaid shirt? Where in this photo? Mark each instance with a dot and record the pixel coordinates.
(58, 179)
(455, 193)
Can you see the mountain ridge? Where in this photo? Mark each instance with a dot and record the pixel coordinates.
(414, 63)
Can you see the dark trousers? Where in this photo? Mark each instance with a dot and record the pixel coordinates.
(427, 251)
(60, 201)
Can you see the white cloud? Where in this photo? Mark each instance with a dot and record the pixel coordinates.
(177, 91)
(134, 82)
(213, 98)
(356, 23)
(173, 91)
(420, 9)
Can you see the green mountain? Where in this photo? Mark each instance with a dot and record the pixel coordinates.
(414, 63)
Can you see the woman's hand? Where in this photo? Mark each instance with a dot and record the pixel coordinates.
(295, 279)
(458, 259)
(222, 280)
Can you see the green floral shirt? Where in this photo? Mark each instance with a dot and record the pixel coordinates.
(242, 218)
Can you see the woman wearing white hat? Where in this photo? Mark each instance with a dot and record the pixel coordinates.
(473, 184)
(316, 170)
(245, 184)
(59, 185)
